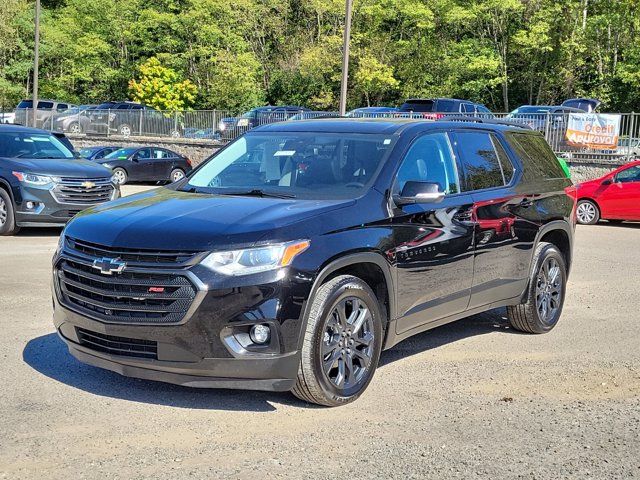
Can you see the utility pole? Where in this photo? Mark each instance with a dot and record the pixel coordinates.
(345, 58)
(36, 60)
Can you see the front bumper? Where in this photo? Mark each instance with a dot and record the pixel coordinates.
(201, 350)
(49, 212)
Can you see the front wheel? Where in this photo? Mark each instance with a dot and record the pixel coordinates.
(75, 127)
(587, 212)
(7, 215)
(342, 343)
(545, 293)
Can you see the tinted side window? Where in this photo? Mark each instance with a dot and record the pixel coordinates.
(538, 159)
(447, 106)
(62, 107)
(505, 161)
(480, 160)
(124, 106)
(629, 175)
(45, 105)
(430, 159)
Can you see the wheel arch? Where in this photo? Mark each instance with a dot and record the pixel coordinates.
(5, 185)
(368, 266)
(560, 234)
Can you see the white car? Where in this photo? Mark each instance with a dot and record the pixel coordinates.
(7, 117)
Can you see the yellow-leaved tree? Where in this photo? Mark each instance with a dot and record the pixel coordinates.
(161, 87)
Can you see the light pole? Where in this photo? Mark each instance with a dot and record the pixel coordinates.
(36, 59)
(345, 58)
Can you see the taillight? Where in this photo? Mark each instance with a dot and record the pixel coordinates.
(189, 162)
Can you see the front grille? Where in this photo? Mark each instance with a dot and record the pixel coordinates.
(130, 347)
(134, 256)
(134, 297)
(83, 191)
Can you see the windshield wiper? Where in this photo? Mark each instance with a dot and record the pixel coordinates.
(256, 192)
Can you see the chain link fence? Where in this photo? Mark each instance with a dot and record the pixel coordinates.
(221, 126)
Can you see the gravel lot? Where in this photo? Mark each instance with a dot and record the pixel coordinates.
(468, 400)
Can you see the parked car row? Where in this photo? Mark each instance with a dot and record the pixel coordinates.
(44, 182)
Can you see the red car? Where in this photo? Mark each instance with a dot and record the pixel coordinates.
(614, 197)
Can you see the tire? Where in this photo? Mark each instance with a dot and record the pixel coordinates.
(531, 316)
(7, 215)
(124, 130)
(329, 335)
(587, 212)
(176, 175)
(75, 127)
(120, 175)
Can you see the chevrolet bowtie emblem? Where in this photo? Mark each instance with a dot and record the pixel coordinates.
(88, 184)
(109, 266)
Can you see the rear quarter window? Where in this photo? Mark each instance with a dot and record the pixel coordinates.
(538, 160)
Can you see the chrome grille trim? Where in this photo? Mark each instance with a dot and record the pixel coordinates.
(71, 191)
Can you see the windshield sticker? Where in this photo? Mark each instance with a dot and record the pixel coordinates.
(284, 153)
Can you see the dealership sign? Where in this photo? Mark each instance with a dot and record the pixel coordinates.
(593, 130)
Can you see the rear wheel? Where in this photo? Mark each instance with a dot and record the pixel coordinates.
(176, 174)
(120, 176)
(587, 212)
(342, 343)
(545, 293)
(7, 215)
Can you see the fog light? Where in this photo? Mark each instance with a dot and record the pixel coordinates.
(260, 334)
(31, 205)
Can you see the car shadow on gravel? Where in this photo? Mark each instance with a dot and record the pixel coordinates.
(481, 324)
(49, 356)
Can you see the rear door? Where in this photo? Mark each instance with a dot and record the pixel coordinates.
(164, 161)
(503, 235)
(433, 241)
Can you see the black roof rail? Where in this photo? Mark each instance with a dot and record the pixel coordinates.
(489, 121)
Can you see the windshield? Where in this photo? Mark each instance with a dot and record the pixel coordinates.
(32, 145)
(304, 165)
(531, 109)
(121, 153)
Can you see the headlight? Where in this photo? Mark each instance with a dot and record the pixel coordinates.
(32, 179)
(222, 126)
(255, 260)
(243, 122)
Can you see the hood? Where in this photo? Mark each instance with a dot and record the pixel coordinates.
(65, 167)
(167, 219)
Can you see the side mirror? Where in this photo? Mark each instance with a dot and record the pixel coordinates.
(419, 192)
(607, 181)
(135, 158)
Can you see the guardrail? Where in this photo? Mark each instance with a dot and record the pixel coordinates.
(223, 126)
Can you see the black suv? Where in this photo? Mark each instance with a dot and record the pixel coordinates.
(437, 108)
(41, 181)
(294, 256)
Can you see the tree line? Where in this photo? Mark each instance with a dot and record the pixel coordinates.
(236, 54)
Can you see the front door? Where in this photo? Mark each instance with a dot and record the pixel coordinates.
(621, 199)
(433, 241)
